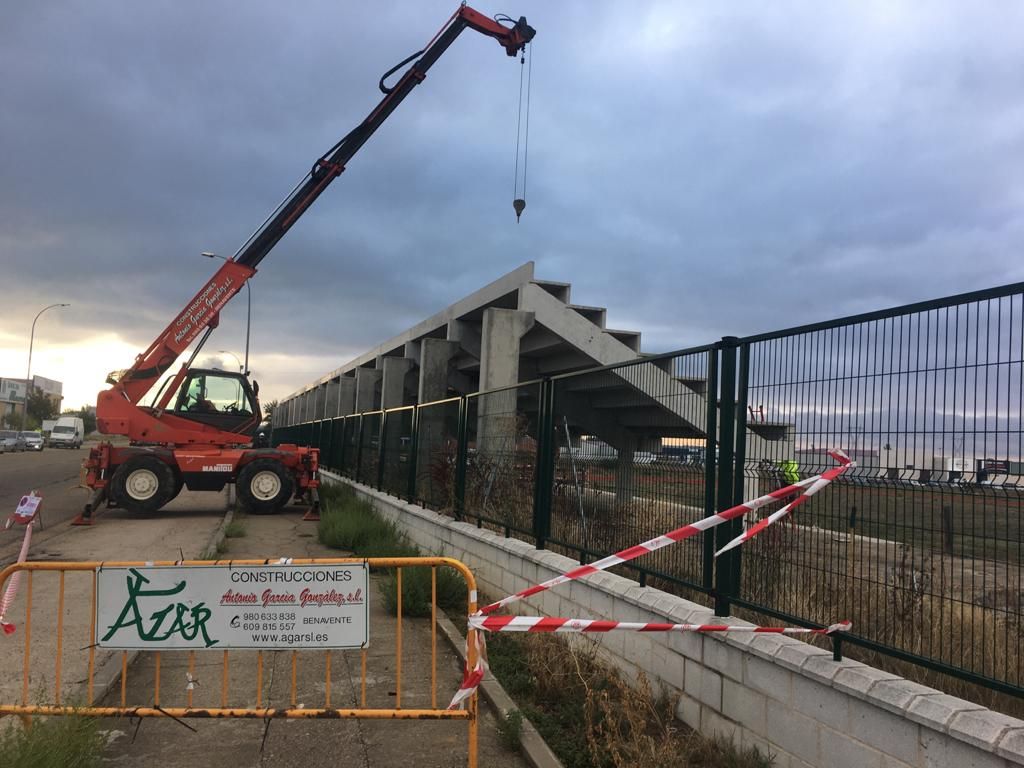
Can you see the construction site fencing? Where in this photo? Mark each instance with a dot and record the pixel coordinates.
(59, 600)
(919, 545)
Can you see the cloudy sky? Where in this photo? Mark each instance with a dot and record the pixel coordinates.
(701, 168)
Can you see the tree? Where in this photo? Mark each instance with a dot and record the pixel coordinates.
(40, 407)
(268, 410)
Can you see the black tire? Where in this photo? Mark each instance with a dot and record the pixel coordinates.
(179, 483)
(142, 484)
(264, 486)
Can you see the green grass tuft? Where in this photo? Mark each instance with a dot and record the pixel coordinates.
(352, 525)
(56, 742)
(510, 730)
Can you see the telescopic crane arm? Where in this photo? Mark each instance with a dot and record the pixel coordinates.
(201, 313)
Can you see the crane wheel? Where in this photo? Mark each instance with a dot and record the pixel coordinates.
(264, 486)
(143, 484)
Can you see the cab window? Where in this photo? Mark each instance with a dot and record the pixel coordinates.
(214, 394)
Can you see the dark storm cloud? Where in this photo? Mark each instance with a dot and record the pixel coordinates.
(700, 169)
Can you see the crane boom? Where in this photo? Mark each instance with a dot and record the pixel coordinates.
(202, 441)
(201, 313)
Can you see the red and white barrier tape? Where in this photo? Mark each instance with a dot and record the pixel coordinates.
(679, 534)
(471, 678)
(481, 621)
(552, 624)
(822, 480)
(24, 515)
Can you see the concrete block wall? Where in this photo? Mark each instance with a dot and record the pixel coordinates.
(774, 692)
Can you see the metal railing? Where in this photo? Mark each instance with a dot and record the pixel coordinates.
(47, 686)
(920, 545)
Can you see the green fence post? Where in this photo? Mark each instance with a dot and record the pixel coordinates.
(380, 449)
(461, 457)
(710, 469)
(414, 446)
(739, 473)
(724, 589)
(544, 473)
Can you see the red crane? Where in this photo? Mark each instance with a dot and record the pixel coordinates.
(199, 432)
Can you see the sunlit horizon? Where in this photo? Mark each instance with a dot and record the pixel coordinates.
(82, 367)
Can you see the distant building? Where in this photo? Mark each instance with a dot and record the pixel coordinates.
(12, 393)
(51, 388)
(12, 397)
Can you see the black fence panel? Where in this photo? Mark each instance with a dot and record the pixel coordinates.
(501, 462)
(920, 544)
(435, 456)
(369, 448)
(397, 451)
(333, 457)
(632, 442)
(349, 462)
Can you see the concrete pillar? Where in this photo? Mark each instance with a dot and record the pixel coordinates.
(346, 395)
(499, 367)
(434, 357)
(392, 390)
(331, 406)
(366, 389)
(435, 354)
(319, 396)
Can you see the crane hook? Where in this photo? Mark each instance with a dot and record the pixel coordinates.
(519, 204)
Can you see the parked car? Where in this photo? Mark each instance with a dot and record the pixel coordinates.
(68, 432)
(33, 440)
(12, 441)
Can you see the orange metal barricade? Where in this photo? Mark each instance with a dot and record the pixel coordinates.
(83, 653)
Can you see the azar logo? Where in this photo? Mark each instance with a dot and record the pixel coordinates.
(187, 621)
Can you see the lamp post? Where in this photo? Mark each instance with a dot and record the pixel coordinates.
(248, 309)
(28, 373)
(228, 352)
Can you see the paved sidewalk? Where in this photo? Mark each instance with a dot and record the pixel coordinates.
(305, 743)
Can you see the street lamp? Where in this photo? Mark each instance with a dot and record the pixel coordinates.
(227, 352)
(28, 373)
(248, 310)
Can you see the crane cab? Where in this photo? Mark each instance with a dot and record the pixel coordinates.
(219, 399)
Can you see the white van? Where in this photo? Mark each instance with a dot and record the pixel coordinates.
(68, 432)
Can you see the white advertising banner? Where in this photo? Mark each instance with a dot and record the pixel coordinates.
(232, 607)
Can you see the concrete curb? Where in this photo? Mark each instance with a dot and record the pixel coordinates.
(218, 536)
(535, 749)
(102, 690)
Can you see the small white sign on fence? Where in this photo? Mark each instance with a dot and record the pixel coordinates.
(225, 607)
